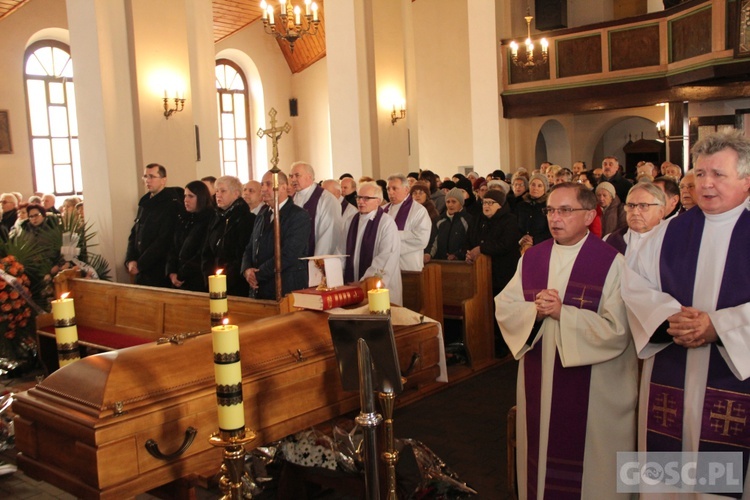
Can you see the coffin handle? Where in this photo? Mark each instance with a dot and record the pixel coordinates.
(153, 447)
(412, 364)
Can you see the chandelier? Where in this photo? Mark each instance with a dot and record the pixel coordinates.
(530, 60)
(290, 26)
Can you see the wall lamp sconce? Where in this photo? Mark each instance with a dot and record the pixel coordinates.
(661, 129)
(398, 115)
(179, 105)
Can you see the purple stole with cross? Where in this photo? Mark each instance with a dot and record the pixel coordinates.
(312, 208)
(570, 386)
(403, 212)
(726, 407)
(366, 248)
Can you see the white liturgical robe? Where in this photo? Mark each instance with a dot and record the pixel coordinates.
(648, 307)
(414, 237)
(327, 224)
(385, 255)
(581, 337)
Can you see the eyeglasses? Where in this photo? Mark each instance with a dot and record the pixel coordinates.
(367, 198)
(642, 207)
(488, 203)
(563, 211)
(151, 176)
(34, 216)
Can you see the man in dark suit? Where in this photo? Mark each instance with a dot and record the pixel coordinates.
(258, 261)
(150, 238)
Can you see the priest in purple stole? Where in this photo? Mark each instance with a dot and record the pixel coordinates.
(324, 211)
(563, 318)
(372, 243)
(688, 299)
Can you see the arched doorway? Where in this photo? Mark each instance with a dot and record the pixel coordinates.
(552, 144)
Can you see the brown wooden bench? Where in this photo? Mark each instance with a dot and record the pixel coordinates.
(467, 295)
(423, 292)
(116, 315)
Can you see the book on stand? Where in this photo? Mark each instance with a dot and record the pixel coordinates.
(322, 300)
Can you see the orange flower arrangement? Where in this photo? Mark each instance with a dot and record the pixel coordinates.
(15, 313)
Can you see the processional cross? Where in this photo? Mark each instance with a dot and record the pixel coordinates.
(275, 134)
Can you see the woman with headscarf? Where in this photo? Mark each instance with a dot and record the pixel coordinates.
(451, 241)
(184, 259)
(613, 212)
(531, 219)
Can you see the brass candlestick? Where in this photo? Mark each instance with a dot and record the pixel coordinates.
(233, 467)
(390, 455)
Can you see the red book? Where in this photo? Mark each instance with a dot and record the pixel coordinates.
(322, 300)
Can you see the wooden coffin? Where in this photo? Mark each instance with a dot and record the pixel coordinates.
(84, 428)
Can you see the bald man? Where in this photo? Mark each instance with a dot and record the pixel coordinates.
(325, 212)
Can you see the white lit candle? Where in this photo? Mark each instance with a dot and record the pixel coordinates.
(270, 15)
(297, 19)
(228, 374)
(217, 294)
(263, 7)
(315, 11)
(307, 7)
(379, 300)
(66, 332)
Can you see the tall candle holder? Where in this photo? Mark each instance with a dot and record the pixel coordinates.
(390, 455)
(233, 465)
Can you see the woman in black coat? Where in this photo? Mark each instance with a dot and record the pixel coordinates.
(228, 235)
(531, 219)
(495, 233)
(184, 259)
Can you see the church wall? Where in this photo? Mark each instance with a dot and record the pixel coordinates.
(276, 81)
(312, 140)
(442, 82)
(15, 34)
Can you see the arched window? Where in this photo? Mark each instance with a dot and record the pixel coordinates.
(51, 104)
(231, 94)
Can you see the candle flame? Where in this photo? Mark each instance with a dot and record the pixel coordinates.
(225, 321)
(64, 295)
(219, 271)
(378, 284)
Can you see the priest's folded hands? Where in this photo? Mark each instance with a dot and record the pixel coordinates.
(691, 328)
(548, 303)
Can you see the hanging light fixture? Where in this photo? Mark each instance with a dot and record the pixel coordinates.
(530, 60)
(290, 26)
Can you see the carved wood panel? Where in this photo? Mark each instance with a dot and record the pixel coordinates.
(579, 56)
(634, 48)
(690, 35)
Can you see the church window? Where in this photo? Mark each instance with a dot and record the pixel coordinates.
(53, 125)
(232, 100)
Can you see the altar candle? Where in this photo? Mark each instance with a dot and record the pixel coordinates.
(379, 299)
(217, 293)
(228, 373)
(66, 332)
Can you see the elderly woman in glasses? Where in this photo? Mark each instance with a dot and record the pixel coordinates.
(495, 233)
(644, 211)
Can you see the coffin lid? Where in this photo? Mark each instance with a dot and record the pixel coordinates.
(137, 376)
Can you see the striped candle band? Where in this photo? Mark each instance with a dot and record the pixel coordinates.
(229, 395)
(68, 351)
(65, 322)
(226, 358)
(217, 295)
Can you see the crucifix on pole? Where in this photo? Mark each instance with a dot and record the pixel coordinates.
(275, 134)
